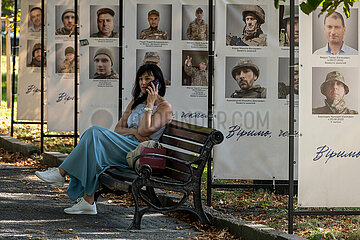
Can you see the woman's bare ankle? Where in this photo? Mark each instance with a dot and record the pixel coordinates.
(89, 199)
(62, 172)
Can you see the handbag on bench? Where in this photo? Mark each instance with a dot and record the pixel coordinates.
(156, 163)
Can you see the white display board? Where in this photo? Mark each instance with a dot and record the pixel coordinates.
(60, 82)
(29, 78)
(328, 149)
(255, 127)
(188, 98)
(99, 93)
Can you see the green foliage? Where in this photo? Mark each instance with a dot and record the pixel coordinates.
(328, 6)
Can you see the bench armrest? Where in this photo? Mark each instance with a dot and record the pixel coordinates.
(137, 158)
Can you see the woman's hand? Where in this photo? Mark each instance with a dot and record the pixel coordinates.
(153, 94)
(141, 138)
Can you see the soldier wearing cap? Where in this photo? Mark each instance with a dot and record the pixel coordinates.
(284, 90)
(199, 75)
(68, 19)
(253, 17)
(245, 73)
(36, 56)
(198, 29)
(68, 65)
(154, 58)
(103, 61)
(334, 89)
(105, 23)
(285, 28)
(153, 32)
(334, 30)
(35, 19)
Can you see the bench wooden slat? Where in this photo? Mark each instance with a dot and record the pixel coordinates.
(177, 165)
(181, 144)
(185, 134)
(122, 173)
(174, 174)
(190, 127)
(180, 155)
(114, 184)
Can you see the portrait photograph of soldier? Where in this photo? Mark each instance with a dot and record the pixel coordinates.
(105, 24)
(103, 62)
(334, 34)
(34, 54)
(34, 23)
(161, 58)
(195, 25)
(335, 90)
(154, 21)
(65, 20)
(284, 79)
(284, 23)
(245, 25)
(245, 77)
(195, 68)
(65, 58)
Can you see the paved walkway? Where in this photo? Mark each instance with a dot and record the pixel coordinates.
(29, 209)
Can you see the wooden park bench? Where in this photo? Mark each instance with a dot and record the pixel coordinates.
(188, 148)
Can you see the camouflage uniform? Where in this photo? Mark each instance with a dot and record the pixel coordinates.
(67, 67)
(337, 106)
(99, 35)
(63, 31)
(153, 34)
(113, 75)
(198, 77)
(283, 90)
(197, 32)
(255, 92)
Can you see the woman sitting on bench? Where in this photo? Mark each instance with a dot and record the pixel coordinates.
(100, 148)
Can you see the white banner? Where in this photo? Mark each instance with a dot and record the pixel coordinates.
(60, 65)
(180, 52)
(29, 79)
(99, 75)
(252, 90)
(328, 166)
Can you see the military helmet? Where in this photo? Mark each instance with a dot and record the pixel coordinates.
(333, 76)
(105, 51)
(256, 10)
(287, 12)
(204, 60)
(245, 63)
(151, 57)
(36, 47)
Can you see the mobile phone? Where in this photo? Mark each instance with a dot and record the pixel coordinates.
(155, 82)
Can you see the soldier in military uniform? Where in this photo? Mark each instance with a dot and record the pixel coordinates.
(284, 38)
(198, 29)
(334, 89)
(105, 23)
(154, 58)
(253, 17)
(68, 19)
(36, 56)
(103, 61)
(245, 73)
(153, 32)
(68, 65)
(199, 75)
(284, 90)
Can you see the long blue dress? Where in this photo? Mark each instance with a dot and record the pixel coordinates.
(98, 149)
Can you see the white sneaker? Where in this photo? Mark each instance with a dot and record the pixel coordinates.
(82, 207)
(52, 176)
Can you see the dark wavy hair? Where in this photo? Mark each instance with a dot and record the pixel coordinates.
(157, 73)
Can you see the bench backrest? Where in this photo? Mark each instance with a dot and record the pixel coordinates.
(189, 143)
